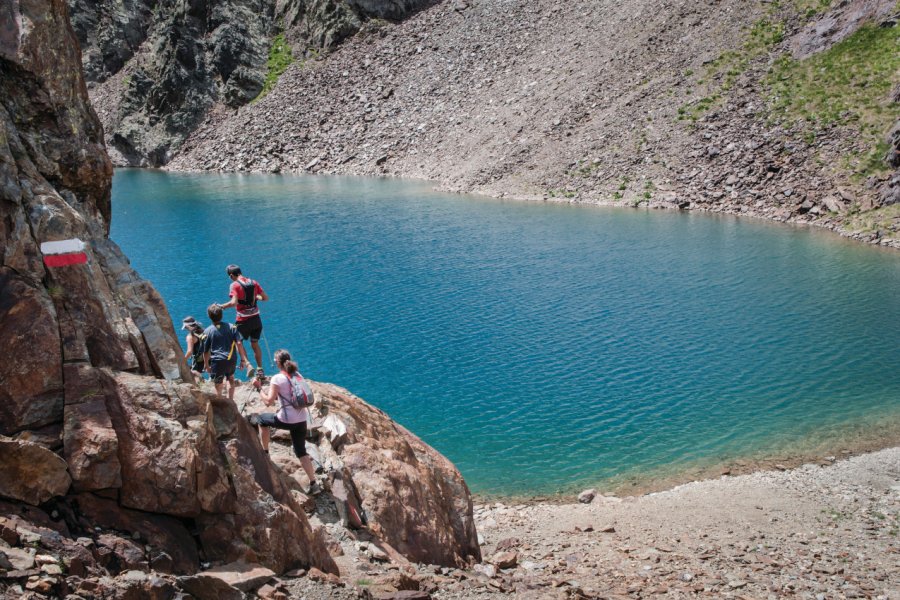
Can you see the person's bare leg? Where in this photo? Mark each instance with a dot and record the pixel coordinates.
(257, 353)
(219, 389)
(306, 461)
(231, 387)
(264, 437)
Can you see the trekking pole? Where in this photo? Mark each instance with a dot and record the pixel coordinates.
(268, 350)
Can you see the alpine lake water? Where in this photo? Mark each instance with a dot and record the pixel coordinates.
(543, 348)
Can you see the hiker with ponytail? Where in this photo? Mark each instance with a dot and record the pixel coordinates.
(294, 396)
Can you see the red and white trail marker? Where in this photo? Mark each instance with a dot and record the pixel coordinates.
(64, 253)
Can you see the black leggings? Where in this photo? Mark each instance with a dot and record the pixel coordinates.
(298, 431)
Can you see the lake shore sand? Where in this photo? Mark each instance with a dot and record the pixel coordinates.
(811, 532)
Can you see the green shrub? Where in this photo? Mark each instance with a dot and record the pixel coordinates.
(280, 58)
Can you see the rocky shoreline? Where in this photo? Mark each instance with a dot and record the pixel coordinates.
(813, 531)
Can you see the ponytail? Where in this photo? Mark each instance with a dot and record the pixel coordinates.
(283, 361)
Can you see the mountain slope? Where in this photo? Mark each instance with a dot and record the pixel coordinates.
(649, 101)
(156, 67)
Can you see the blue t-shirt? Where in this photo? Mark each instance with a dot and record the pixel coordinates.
(221, 342)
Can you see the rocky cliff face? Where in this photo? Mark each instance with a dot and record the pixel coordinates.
(93, 364)
(158, 67)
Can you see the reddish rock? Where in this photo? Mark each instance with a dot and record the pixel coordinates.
(317, 575)
(160, 532)
(31, 393)
(402, 595)
(90, 443)
(206, 587)
(508, 544)
(241, 575)
(275, 531)
(505, 560)
(31, 473)
(119, 554)
(413, 497)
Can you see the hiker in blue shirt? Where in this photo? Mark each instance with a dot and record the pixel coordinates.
(221, 347)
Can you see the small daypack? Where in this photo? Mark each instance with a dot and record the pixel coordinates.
(249, 300)
(301, 393)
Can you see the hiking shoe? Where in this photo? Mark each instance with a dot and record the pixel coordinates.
(251, 372)
(314, 489)
(254, 419)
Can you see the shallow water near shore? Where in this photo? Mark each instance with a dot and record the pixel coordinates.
(542, 348)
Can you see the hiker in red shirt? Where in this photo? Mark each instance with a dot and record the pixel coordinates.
(244, 294)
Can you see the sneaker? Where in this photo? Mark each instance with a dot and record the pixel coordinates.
(254, 419)
(251, 372)
(314, 489)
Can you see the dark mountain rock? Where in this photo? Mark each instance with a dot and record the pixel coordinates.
(175, 59)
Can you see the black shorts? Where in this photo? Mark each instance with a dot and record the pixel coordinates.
(221, 369)
(298, 431)
(250, 329)
(198, 366)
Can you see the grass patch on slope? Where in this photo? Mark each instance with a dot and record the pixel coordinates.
(280, 58)
(760, 38)
(848, 84)
(884, 218)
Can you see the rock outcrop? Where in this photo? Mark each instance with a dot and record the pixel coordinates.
(161, 65)
(95, 370)
(411, 496)
(407, 496)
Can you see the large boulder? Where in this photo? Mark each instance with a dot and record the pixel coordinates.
(412, 497)
(31, 473)
(267, 526)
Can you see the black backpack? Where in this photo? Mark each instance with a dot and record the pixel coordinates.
(249, 288)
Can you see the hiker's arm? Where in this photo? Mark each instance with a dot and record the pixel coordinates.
(262, 294)
(232, 298)
(243, 353)
(207, 361)
(268, 396)
(190, 345)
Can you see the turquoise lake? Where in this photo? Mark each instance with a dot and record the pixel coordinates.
(542, 348)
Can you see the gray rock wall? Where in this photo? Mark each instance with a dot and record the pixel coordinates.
(177, 59)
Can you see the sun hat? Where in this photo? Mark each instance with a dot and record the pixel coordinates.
(189, 323)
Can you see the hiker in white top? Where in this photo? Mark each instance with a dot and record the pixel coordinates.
(294, 397)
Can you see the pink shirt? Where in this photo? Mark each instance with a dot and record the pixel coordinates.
(287, 413)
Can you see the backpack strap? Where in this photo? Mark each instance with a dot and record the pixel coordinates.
(292, 401)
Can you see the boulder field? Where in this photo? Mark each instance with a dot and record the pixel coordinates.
(116, 477)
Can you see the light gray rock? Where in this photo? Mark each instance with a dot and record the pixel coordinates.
(587, 496)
